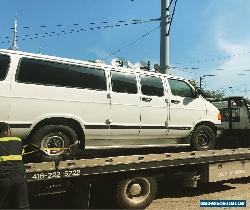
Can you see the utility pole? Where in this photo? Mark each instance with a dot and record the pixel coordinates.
(14, 41)
(164, 43)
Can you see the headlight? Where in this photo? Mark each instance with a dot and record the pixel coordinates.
(219, 116)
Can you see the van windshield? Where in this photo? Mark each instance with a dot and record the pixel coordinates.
(4, 66)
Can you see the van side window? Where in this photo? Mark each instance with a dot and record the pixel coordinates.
(180, 88)
(58, 74)
(4, 66)
(123, 83)
(151, 86)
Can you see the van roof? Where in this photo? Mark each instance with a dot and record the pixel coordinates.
(75, 61)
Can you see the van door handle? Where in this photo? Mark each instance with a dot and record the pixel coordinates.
(146, 99)
(175, 101)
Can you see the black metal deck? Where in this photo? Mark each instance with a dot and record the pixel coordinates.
(126, 163)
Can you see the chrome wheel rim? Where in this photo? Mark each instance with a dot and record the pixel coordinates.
(53, 144)
(203, 139)
(137, 190)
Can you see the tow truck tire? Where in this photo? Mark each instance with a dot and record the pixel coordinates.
(53, 136)
(136, 192)
(203, 138)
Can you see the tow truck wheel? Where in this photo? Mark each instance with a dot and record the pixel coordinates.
(203, 138)
(53, 140)
(136, 192)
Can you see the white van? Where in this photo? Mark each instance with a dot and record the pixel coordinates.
(53, 102)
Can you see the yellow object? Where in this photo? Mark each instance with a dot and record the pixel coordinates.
(10, 157)
(10, 139)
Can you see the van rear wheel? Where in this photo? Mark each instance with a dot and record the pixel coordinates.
(53, 140)
(203, 138)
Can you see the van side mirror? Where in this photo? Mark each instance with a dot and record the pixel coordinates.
(198, 92)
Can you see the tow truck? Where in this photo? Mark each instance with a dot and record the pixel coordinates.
(235, 112)
(130, 180)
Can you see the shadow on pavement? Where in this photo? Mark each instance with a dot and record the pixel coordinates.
(244, 180)
(172, 189)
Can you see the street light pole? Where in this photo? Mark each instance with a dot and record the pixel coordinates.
(200, 81)
(164, 43)
(206, 75)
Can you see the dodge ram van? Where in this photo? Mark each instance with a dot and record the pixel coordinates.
(53, 102)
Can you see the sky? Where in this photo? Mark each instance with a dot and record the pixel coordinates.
(209, 37)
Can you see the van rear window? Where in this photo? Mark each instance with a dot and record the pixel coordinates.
(4, 66)
(59, 74)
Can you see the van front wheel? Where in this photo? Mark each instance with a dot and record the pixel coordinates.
(203, 138)
(54, 139)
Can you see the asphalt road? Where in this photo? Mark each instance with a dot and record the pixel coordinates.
(174, 197)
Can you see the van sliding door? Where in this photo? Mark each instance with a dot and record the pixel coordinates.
(153, 108)
(125, 114)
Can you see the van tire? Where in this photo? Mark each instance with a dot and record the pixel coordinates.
(146, 189)
(203, 138)
(58, 136)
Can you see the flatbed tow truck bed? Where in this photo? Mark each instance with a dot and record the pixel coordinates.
(136, 173)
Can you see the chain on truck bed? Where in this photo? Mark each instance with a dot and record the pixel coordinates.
(84, 167)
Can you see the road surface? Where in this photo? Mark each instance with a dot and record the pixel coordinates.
(174, 197)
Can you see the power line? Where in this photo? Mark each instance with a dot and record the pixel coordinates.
(198, 75)
(131, 43)
(214, 58)
(92, 23)
(77, 29)
(243, 69)
(143, 36)
(184, 69)
(193, 75)
(172, 16)
(170, 5)
(189, 70)
(64, 32)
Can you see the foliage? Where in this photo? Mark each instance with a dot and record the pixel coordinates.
(213, 94)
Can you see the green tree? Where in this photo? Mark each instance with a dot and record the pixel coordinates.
(213, 94)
